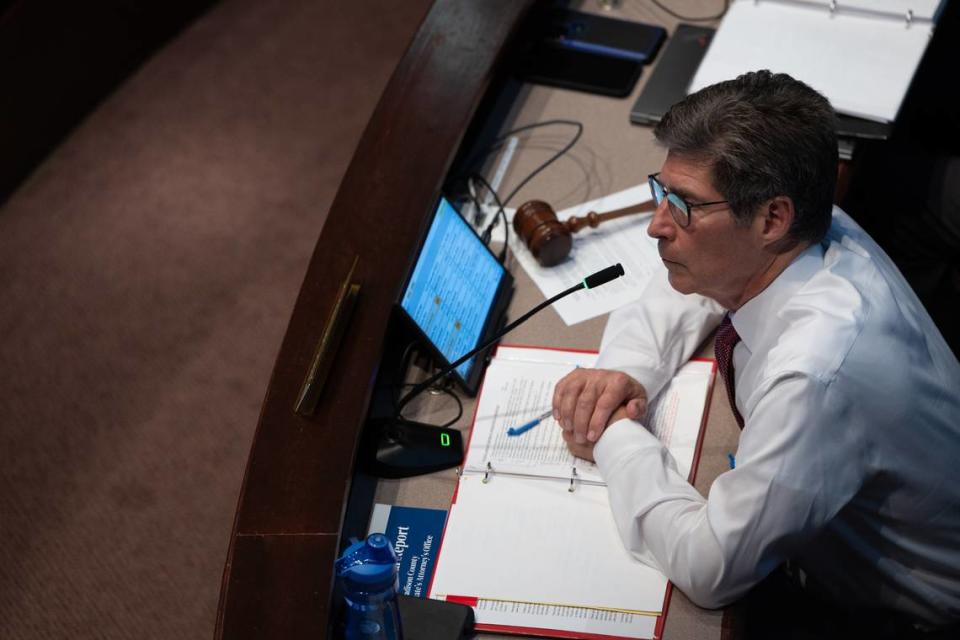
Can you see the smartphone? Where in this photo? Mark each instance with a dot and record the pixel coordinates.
(604, 36)
(668, 83)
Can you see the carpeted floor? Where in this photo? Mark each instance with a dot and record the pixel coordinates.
(147, 272)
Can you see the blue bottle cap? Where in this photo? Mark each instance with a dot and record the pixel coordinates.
(369, 564)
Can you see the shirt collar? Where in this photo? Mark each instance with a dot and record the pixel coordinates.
(752, 318)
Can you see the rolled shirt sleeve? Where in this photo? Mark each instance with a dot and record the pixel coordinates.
(652, 338)
(796, 467)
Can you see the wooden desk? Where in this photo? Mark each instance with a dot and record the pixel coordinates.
(278, 577)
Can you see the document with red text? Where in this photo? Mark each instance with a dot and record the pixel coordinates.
(530, 541)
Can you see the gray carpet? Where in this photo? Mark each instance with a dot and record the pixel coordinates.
(147, 272)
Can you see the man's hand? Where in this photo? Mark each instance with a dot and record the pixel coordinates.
(585, 450)
(584, 402)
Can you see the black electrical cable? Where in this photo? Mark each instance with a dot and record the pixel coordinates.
(535, 172)
(501, 204)
(495, 144)
(500, 212)
(594, 280)
(459, 402)
(406, 354)
(446, 390)
(662, 7)
(503, 137)
(478, 213)
(556, 156)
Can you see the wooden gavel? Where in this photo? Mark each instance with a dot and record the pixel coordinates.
(550, 240)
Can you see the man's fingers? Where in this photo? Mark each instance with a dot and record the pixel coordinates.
(585, 408)
(565, 399)
(606, 404)
(585, 399)
(636, 408)
(618, 388)
(584, 451)
(568, 404)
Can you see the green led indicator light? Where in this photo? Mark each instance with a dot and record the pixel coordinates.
(445, 439)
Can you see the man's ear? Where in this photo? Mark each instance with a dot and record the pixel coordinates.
(776, 220)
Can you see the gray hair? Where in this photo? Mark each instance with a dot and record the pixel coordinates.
(764, 135)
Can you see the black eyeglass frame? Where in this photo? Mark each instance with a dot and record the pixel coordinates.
(680, 209)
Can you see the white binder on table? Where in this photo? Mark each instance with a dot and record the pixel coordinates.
(861, 54)
(530, 542)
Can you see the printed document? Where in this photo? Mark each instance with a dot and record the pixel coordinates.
(530, 527)
(622, 240)
(862, 61)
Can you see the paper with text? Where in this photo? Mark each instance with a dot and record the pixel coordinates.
(531, 541)
(623, 240)
(515, 391)
(519, 386)
(570, 619)
(520, 540)
(862, 63)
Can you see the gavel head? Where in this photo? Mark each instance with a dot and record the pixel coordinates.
(548, 239)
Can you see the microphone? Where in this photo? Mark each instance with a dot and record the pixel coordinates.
(603, 276)
(400, 448)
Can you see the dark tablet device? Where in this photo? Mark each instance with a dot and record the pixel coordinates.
(668, 83)
(580, 70)
(604, 36)
(587, 52)
(457, 294)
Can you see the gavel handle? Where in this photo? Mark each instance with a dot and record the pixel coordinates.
(593, 219)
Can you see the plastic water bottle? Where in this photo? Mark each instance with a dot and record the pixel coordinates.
(367, 571)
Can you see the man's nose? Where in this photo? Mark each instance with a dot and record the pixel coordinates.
(662, 224)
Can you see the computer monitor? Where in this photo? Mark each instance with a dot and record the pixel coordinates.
(456, 294)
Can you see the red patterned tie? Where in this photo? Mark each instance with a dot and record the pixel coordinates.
(727, 339)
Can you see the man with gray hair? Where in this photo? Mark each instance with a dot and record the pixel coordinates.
(847, 476)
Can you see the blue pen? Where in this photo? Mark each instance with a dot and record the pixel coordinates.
(516, 431)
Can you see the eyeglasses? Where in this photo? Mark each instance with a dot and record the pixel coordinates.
(679, 208)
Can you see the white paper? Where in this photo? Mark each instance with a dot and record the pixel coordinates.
(922, 9)
(519, 386)
(623, 240)
(515, 392)
(546, 355)
(559, 618)
(522, 538)
(675, 415)
(529, 540)
(863, 64)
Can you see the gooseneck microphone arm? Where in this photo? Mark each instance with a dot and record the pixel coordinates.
(590, 282)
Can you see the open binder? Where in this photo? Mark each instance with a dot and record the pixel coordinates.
(861, 54)
(530, 542)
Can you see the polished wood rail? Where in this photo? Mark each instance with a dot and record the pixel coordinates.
(279, 572)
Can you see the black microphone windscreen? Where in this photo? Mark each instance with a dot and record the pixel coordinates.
(603, 276)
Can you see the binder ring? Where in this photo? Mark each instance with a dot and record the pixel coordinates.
(909, 17)
(573, 478)
(486, 474)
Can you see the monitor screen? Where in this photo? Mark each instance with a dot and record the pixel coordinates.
(457, 292)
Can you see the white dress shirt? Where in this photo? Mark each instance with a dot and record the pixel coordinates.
(849, 460)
